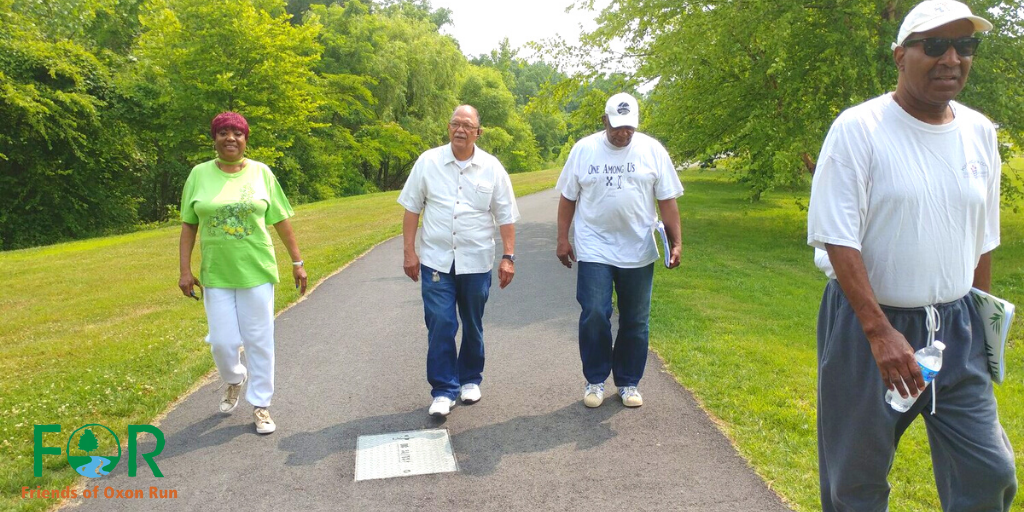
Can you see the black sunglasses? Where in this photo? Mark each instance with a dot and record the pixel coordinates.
(938, 46)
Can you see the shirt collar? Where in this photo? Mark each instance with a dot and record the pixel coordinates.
(448, 156)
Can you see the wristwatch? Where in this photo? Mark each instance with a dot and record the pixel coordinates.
(510, 257)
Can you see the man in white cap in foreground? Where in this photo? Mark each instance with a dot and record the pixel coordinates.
(609, 186)
(905, 200)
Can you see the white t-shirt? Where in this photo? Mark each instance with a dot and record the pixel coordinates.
(615, 191)
(460, 208)
(919, 201)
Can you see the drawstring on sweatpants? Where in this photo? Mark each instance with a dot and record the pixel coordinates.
(932, 323)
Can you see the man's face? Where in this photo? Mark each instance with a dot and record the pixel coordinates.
(619, 137)
(463, 130)
(934, 80)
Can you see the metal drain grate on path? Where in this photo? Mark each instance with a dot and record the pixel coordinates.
(413, 452)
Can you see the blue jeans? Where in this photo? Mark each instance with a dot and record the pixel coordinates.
(627, 359)
(447, 367)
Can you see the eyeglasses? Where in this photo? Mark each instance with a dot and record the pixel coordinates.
(938, 46)
(454, 125)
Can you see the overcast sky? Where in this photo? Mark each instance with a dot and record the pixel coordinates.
(479, 25)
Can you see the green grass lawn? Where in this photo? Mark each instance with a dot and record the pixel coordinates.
(97, 332)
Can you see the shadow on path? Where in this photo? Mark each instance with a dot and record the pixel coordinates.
(197, 436)
(479, 450)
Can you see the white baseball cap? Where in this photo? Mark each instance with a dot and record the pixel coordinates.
(622, 110)
(936, 13)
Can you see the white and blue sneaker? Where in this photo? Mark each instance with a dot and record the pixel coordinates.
(593, 395)
(630, 396)
(441, 406)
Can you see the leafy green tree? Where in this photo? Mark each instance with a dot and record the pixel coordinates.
(550, 130)
(87, 441)
(95, 24)
(419, 10)
(765, 79)
(198, 58)
(68, 164)
(526, 81)
(506, 134)
(397, 81)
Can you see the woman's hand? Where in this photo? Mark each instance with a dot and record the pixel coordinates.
(299, 273)
(187, 282)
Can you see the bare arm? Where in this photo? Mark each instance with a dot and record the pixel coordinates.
(983, 273)
(186, 243)
(673, 229)
(566, 211)
(284, 230)
(507, 269)
(893, 355)
(411, 264)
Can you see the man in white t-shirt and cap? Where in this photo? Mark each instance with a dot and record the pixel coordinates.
(609, 187)
(905, 200)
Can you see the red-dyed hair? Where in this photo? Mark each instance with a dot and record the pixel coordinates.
(229, 120)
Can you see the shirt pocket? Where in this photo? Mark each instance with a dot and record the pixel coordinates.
(480, 196)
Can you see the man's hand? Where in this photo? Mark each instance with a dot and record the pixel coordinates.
(675, 256)
(895, 360)
(412, 265)
(565, 253)
(506, 271)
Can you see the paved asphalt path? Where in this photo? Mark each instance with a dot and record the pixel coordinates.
(351, 362)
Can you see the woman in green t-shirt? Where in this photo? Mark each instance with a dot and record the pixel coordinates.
(231, 200)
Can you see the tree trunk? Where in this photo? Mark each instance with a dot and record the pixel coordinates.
(808, 162)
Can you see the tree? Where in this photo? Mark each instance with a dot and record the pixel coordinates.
(765, 79)
(506, 134)
(198, 58)
(398, 81)
(527, 81)
(87, 441)
(68, 163)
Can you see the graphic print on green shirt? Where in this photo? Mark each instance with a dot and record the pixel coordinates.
(232, 219)
(233, 212)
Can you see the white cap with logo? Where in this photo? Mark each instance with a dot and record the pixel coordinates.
(936, 13)
(622, 110)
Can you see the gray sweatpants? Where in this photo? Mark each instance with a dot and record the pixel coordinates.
(858, 432)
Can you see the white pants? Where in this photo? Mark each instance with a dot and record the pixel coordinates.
(240, 317)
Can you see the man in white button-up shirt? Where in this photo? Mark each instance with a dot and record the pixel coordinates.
(462, 192)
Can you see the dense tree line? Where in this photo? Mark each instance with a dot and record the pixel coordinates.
(106, 103)
(764, 79)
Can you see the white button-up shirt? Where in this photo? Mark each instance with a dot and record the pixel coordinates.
(460, 208)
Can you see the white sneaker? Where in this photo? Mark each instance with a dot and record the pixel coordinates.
(630, 396)
(593, 395)
(441, 406)
(264, 423)
(230, 400)
(470, 393)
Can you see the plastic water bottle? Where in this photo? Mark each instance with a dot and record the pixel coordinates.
(930, 361)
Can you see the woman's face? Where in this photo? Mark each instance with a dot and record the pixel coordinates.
(229, 143)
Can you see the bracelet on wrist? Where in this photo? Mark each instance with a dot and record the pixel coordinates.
(297, 263)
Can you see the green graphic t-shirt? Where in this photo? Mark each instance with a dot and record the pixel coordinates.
(233, 212)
